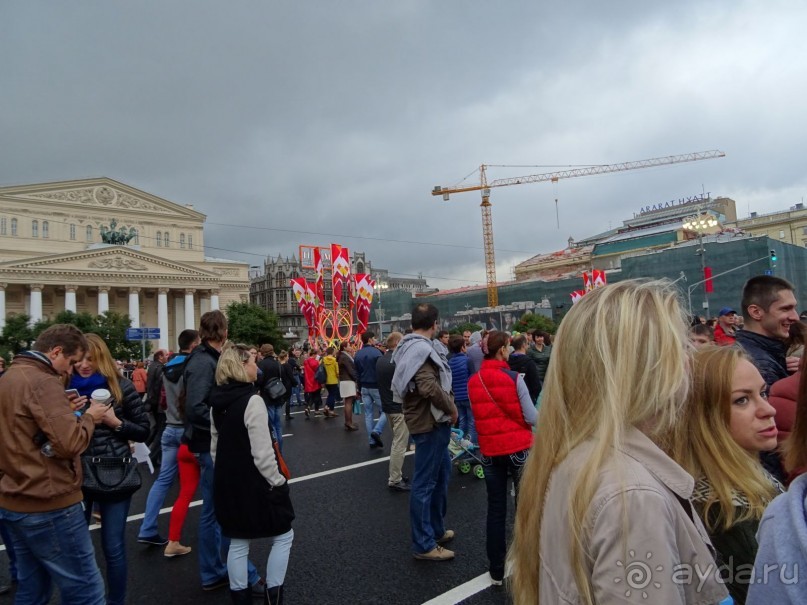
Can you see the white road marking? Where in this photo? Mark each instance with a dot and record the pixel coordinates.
(462, 592)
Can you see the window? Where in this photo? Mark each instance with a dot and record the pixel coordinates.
(781, 234)
(166, 241)
(804, 230)
(73, 232)
(182, 240)
(45, 229)
(13, 226)
(89, 233)
(190, 242)
(3, 226)
(34, 228)
(159, 238)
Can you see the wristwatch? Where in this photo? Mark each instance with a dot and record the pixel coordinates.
(119, 428)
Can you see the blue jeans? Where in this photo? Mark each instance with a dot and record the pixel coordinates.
(333, 395)
(12, 559)
(275, 415)
(297, 393)
(428, 499)
(169, 443)
(54, 547)
(466, 420)
(497, 469)
(372, 402)
(113, 543)
(211, 565)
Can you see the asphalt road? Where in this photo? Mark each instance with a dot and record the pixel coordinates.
(351, 540)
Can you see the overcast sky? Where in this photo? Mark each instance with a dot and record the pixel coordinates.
(339, 117)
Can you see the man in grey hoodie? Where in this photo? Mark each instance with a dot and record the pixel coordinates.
(422, 380)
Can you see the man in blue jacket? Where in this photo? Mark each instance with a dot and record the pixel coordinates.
(365, 361)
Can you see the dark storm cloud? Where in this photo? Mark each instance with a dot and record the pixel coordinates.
(340, 117)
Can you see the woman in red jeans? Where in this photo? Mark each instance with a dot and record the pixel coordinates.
(188, 482)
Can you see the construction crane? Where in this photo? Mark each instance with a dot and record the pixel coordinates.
(485, 187)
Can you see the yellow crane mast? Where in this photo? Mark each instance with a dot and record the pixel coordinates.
(485, 187)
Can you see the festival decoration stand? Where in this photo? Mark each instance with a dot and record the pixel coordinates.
(345, 320)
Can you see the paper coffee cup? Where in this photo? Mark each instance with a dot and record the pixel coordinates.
(101, 395)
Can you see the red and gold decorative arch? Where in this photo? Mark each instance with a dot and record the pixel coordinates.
(344, 321)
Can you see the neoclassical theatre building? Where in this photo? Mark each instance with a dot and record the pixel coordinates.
(97, 244)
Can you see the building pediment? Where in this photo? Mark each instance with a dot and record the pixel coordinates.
(117, 260)
(101, 193)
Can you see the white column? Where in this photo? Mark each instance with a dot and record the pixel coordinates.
(190, 320)
(214, 300)
(103, 299)
(70, 299)
(134, 307)
(36, 303)
(3, 306)
(162, 317)
(204, 303)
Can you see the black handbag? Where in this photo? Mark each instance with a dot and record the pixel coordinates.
(274, 388)
(113, 478)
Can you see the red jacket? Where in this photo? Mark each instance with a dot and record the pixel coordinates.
(500, 423)
(311, 365)
(721, 338)
(782, 397)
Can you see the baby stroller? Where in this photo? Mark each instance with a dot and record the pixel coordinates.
(465, 455)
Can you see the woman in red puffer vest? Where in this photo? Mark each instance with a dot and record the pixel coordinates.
(504, 414)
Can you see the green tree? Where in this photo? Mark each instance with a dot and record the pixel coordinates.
(251, 324)
(112, 326)
(17, 335)
(462, 327)
(532, 321)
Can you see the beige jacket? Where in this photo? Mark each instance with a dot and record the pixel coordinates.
(663, 556)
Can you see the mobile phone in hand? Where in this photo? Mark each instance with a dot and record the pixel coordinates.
(71, 393)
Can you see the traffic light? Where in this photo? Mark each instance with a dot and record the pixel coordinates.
(773, 256)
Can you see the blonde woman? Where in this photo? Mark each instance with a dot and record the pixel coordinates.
(727, 423)
(250, 487)
(598, 497)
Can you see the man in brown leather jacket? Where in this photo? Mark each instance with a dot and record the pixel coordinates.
(42, 435)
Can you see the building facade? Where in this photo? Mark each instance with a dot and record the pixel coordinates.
(788, 226)
(53, 256)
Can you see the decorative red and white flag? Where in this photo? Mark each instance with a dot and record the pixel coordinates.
(598, 278)
(310, 310)
(365, 286)
(587, 285)
(577, 295)
(298, 287)
(319, 286)
(340, 278)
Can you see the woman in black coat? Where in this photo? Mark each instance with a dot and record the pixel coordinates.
(250, 487)
(125, 421)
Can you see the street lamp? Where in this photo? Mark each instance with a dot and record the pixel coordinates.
(700, 223)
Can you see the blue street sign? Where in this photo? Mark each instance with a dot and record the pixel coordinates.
(142, 333)
(768, 272)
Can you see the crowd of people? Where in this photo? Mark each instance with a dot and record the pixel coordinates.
(627, 441)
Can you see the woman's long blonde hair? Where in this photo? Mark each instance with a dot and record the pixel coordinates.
(704, 446)
(620, 361)
(102, 358)
(230, 367)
